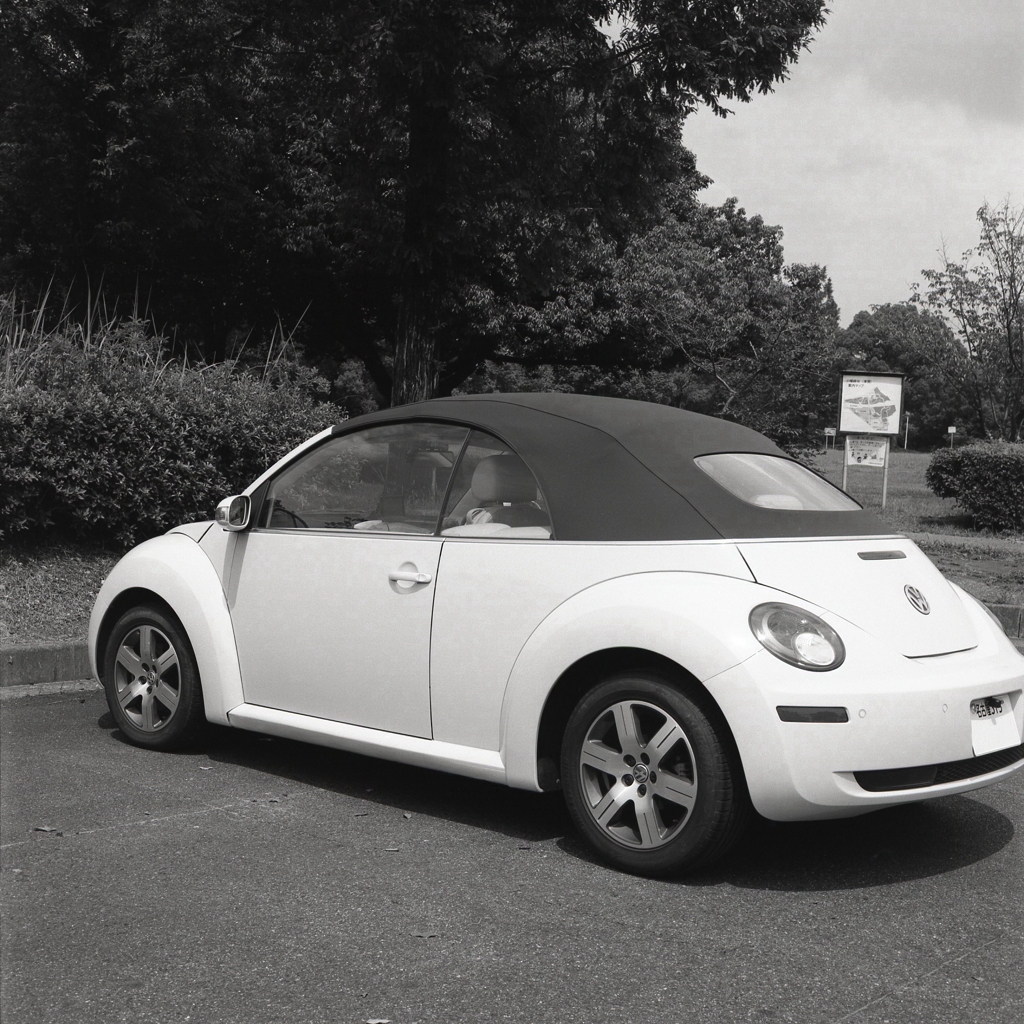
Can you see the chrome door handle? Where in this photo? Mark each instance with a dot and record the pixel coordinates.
(410, 577)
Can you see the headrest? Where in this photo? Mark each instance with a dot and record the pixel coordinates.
(501, 478)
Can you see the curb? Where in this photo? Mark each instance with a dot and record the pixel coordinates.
(49, 689)
(44, 663)
(29, 664)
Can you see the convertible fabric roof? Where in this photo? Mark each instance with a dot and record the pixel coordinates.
(612, 469)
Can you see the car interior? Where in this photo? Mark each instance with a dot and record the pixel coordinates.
(398, 488)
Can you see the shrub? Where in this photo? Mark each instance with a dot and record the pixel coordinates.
(103, 439)
(985, 478)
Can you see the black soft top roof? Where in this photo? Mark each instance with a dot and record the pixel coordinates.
(612, 469)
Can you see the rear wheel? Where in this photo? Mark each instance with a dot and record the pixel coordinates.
(648, 778)
(151, 680)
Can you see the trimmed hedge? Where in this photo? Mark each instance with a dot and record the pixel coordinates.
(985, 478)
(108, 442)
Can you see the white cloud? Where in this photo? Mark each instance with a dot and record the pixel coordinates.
(877, 151)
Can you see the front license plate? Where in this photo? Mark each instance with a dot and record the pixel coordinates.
(993, 726)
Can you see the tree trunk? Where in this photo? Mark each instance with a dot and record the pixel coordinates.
(414, 376)
(425, 274)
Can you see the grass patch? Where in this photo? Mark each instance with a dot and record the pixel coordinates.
(995, 575)
(911, 506)
(47, 593)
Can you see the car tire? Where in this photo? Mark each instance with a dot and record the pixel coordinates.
(151, 680)
(651, 777)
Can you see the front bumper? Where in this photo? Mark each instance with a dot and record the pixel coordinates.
(903, 713)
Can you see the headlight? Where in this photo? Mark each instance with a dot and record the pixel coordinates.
(797, 636)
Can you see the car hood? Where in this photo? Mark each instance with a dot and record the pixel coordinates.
(874, 582)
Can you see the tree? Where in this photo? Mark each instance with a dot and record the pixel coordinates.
(142, 147)
(899, 338)
(700, 311)
(382, 163)
(980, 296)
(540, 87)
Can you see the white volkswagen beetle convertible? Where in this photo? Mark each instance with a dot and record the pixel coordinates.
(656, 611)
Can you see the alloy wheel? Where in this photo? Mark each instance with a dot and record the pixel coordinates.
(147, 678)
(638, 774)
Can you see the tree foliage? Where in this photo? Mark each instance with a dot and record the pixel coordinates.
(981, 296)
(700, 311)
(388, 170)
(899, 338)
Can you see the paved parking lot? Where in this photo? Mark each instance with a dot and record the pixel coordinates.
(262, 880)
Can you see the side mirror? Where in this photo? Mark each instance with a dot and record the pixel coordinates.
(233, 513)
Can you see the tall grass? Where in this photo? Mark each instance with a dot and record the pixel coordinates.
(31, 331)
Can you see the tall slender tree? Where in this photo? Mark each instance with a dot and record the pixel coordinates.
(981, 295)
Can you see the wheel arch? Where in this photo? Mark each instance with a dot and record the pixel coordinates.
(590, 671)
(124, 601)
(174, 572)
(687, 627)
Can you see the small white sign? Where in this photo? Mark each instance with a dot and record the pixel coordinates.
(950, 430)
(869, 403)
(830, 431)
(866, 450)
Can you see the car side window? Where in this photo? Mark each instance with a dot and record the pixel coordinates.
(494, 494)
(389, 479)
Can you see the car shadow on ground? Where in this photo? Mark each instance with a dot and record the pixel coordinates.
(895, 845)
(899, 844)
(532, 817)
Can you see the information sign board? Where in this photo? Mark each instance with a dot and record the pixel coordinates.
(865, 450)
(870, 403)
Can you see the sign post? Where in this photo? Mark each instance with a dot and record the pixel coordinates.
(870, 409)
(951, 431)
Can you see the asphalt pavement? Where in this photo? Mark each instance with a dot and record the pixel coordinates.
(260, 880)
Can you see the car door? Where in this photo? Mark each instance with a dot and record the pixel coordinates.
(332, 590)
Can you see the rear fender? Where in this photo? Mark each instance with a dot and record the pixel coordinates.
(178, 572)
(697, 620)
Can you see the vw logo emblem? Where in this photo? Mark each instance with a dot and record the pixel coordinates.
(917, 599)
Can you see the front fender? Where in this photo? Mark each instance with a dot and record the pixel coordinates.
(176, 569)
(697, 620)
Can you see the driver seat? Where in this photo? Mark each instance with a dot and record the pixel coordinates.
(507, 493)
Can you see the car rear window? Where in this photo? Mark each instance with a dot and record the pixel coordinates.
(772, 482)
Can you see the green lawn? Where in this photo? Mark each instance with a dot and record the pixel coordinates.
(910, 506)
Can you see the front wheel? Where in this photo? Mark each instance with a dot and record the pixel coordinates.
(649, 780)
(151, 680)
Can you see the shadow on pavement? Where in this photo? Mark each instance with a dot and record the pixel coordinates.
(899, 844)
(532, 817)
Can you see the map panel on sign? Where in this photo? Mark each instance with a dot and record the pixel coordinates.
(870, 404)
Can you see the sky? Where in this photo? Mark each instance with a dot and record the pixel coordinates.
(901, 119)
